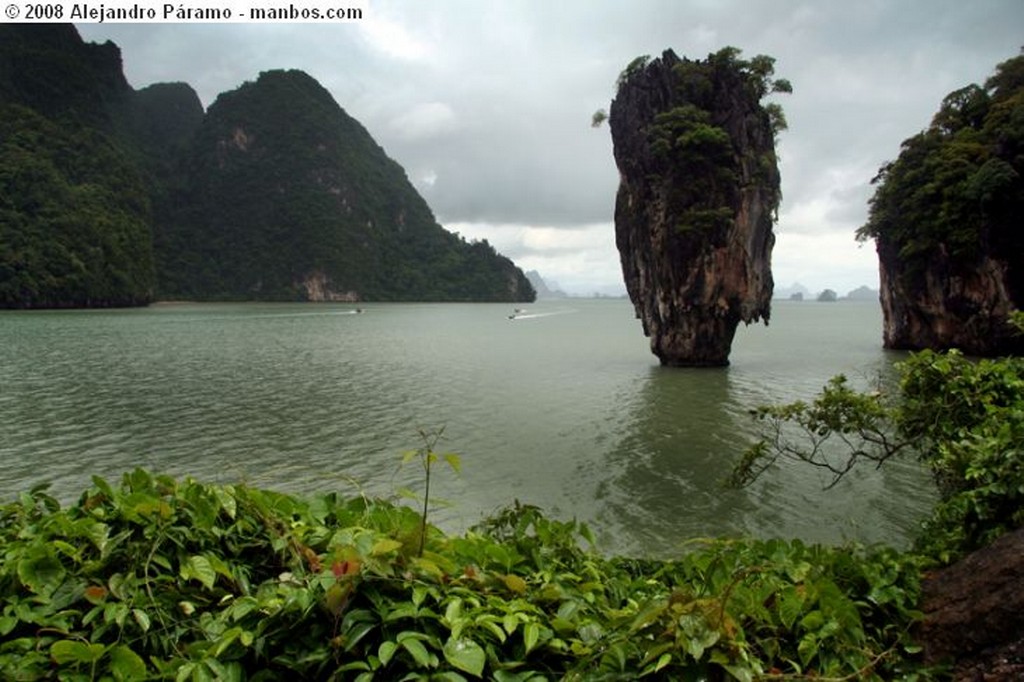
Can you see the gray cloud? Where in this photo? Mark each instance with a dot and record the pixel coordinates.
(487, 104)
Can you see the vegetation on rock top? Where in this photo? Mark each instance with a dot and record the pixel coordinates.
(945, 217)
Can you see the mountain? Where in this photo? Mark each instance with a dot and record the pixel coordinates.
(75, 211)
(111, 196)
(289, 198)
(543, 288)
(863, 293)
(794, 292)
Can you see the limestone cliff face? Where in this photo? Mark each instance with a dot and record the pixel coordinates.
(949, 304)
(698, 192)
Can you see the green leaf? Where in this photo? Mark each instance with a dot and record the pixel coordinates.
(418, 651)
(227, 639)
(385, 651)
(227, 501)
(448, 676)
(141, 618)
(385, 546)
(200, 568)
(454, 461)
(125, 664)
(453, 612)
(103, 486)
(71, 651)
(40, 571)
(185, 671)
(531, 633)
(466, 655)
(807, 648)
(740, 673)
(791, 604)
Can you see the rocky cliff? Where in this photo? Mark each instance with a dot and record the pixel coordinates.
(947, 304)
(945, 218)
(698, 194)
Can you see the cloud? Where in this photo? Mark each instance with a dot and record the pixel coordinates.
(394, 39)
(582, 259)
(824, 261)
(424, 121)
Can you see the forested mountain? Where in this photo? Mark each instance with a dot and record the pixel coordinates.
(288, 197)
(74, 206)
(946, 218)
(110, 196)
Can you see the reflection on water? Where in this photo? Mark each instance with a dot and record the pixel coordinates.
(563, 407)
(664, 481)
(664, 478)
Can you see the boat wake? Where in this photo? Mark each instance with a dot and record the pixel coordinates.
(523, 315)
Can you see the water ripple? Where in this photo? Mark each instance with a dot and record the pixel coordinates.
(568, 411)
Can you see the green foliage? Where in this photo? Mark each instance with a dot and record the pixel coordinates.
(636, 66)
(179, 580)
(74, 217)
(699, 150)
(428, 458)
(963, 418)
(967, 419)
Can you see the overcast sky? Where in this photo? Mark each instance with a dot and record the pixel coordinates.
(487, 104)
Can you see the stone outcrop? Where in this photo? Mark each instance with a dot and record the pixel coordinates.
(974, 613)
(698, 193)
(318, 288)
(948, 304)
(945, 217)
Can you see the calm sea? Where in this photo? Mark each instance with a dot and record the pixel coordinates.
(563, 407)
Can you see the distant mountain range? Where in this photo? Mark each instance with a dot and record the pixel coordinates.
(798, 292)
(544, 289)
(112, 196)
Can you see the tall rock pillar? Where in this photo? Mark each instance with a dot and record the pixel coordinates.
(698, 192)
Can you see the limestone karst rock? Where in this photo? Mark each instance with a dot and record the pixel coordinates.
(699, 190)
(945, 217)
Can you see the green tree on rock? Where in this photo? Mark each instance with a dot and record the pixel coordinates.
(945, 217)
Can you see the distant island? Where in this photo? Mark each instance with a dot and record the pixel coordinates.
(545, 290)
(798, 292)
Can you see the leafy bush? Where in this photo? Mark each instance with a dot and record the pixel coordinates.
(167, 579)
(962, 418)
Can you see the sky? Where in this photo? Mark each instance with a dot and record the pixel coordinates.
(487, 105)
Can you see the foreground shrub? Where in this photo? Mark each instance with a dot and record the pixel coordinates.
(180, 580)
(962, 418)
